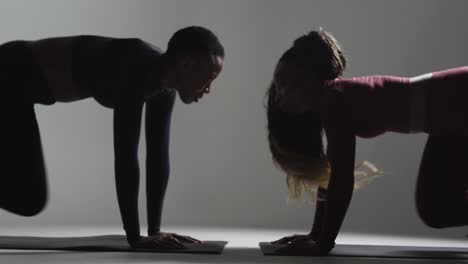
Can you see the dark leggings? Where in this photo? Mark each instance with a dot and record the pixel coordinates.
(23, 187)
(23, 183)
(442, 182)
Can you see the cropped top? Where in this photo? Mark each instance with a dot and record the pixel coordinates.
(375, 104)
(107, 67)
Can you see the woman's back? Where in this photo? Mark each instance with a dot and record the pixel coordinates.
(370, 105)
(79, 67)
(106, 67)
(54, 56)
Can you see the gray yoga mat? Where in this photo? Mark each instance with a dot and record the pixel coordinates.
(107, 243)
(381, 251)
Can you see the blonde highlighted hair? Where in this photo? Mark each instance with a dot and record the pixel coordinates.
(303, 173)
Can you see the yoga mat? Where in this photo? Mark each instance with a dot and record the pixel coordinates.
(107, 243)
(381, 251)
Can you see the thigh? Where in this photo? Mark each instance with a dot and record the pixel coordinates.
(22, 171)
(21, 78)
(14, 74)
(443, 179)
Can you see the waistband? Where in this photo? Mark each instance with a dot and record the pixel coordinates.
(418, 103)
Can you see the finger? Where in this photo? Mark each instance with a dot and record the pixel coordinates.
(194, 240)
(187, 239)
(296, 245)
(184, 239)
(302, 243)
(279, 241)
(174, 242)
(177, 239)
(283, 240)
(170, 245)
(298, 240)
(162, 245)
(171, 238)
(175, 245)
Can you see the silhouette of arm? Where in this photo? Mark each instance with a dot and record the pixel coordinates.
(157, 123)
(127, 124)
(341, 155)
(319, 213)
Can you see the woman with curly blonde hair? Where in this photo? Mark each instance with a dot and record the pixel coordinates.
(309, 100)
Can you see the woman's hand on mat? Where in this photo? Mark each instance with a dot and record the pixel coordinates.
(176, 237)
(288, 239)
(304, 245)
(157, 242)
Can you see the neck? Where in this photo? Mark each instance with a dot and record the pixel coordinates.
(165, 72)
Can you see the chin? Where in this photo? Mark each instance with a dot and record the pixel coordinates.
(184, 99)
(187, 100)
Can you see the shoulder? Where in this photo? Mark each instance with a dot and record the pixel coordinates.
(119, 46)
(346, 86)
(336, 109)
(139, 45)
(138, 56)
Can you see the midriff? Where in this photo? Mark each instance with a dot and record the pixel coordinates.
(54, 56)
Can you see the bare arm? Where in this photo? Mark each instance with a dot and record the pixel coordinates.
(341, 155)
(157, 122)
(319, 213)
(321, 204)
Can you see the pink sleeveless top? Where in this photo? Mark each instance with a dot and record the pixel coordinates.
(377, 104)
(373, 104)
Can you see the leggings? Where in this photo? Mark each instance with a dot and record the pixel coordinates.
(23, 187)
(441, 191)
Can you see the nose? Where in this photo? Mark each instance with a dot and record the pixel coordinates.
(207, 89)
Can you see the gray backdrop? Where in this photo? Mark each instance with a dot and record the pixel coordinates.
(222, 174)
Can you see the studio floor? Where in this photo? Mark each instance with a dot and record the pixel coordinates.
(242, 248)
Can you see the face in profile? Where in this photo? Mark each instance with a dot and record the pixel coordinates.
(195, 76)
(296, 88)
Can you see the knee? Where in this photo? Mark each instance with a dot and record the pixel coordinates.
(434, 217)
(25, 208)
(33, 209)
(434, 222)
